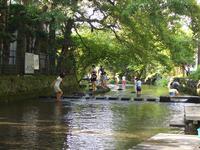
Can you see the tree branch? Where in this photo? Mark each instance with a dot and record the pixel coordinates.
(81, 39)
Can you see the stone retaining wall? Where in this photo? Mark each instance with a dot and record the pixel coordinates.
(31, 86)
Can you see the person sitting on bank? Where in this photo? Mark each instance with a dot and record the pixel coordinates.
(56, 84)
(173, 92)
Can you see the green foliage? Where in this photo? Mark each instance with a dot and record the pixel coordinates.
(148, 37)
(195, 75)
(162, 82)
(95, 48)
(182, 51)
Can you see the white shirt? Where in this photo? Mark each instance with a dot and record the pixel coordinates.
(123, 78)
(173, 92)
(139, 83)
(58, 81)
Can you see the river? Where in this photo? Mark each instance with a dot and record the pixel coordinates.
(85, 124)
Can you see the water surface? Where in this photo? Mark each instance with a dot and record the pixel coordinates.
(83, 124)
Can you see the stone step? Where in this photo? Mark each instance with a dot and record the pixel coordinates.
(125, 98)
(151, 99)
(100, 97)
(138, 99)
(72, 97)
(165, 99)
(113, 98)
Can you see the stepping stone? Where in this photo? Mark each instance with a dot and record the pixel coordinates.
(72, 97)
(125, 98)
(193, 100)
(151, 99)
(44, 97)
(52, 96)
(165, 99)
(87, 97)
(138, 99)
(100, 97)
(113, 98)
(78, 94)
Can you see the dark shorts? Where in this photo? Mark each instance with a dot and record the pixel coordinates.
(139, 89)
(93, 79)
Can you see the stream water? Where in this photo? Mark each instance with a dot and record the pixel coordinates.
(85, 124)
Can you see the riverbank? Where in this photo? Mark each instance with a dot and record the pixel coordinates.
(29, 86)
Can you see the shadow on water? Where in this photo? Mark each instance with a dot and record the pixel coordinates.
(81, 124)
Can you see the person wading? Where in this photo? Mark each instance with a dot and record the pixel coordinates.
(93, 78)
(56, 85)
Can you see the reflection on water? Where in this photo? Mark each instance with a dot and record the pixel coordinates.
(82, 124)
(31, 125)
(114, 125)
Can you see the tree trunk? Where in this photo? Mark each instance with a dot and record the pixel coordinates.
(52, 48)
(67, 54)
(5, 33)
(20, 53)
(3, 4)
(68, 63)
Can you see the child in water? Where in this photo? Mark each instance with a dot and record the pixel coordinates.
(56, 85)
(93, 77)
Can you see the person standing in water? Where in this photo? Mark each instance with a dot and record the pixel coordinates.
(56, 85)
(123, 82)
(138, 86)
(93, 77)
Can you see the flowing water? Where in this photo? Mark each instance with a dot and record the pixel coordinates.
(84, 124)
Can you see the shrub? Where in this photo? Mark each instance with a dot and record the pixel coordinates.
(195, 75)
(162, 82)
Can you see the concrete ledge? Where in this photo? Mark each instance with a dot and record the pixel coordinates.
(177, 123)
(192, 113)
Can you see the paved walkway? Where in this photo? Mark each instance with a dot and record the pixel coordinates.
(163, 141)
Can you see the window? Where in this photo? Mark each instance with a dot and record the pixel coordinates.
(12, 56)
(13, 48)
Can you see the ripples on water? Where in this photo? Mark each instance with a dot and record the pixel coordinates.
(84, 124)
